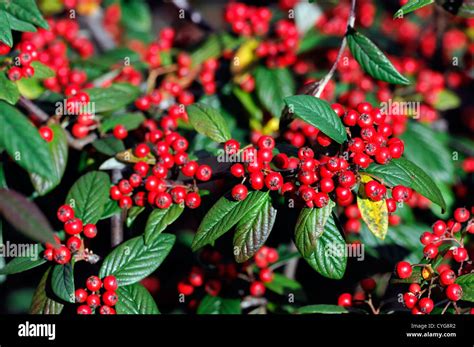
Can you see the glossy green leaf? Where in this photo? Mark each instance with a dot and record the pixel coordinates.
(89, 195)
(372, 60)
(58, 149)
(217, 305)
(272, 86)
(32, 155)
(62, 282)
(208, 121)
(8, 89)
(130, 121)
(133, 260)
(253, 230)
(159, 220)
(21, 264)
(109, 145)
(43, 302)
(410, 6)
(324, 309)
(467, 284)
(318, 113)
(135, 299)
(112, 98)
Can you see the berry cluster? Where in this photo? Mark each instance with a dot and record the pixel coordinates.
(21, 68)
(443, 275)
(367, 285)
(73, 227)
(157, 185)
(280, 51)
(264, 257)
(163, 43)
(91, 299)
(248, 20)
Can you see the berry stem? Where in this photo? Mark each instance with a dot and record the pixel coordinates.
(317, 88)
(446, 307)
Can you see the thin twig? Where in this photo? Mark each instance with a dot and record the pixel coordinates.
(446, 307)
(116, 223)
(317, 88)
(35, 110)
(290, 268)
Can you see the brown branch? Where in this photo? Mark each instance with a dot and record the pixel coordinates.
(317, 88)
(290, 268)
(101, 37)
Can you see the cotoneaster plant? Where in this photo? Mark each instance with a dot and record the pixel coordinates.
(279, 127)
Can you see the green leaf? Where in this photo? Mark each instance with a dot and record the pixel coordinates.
(8, 89)
(318, 113)
(25, 216)
(137, 16)
(272, 86)
(111, 208)
(42, 71)
(19, 25)
(421, 181)
(310, 226)
(42, 302)
(253, 230)
(224, 215)
(30, 88)
(135, 299)
(213, 47)
(132, 261)
(283, 285)
(374, 213)
(112, 98)
(159, 220)
(372, 60)
(208, 121)
(217, 305)
(467, 284)
(62, 282)
(410, 6)
(5, 31)
(21, 264)
(329, 258)
(130, 121)
(109, 145)
(25, 10)
(447, 100)
(429, 151)
(89, 195)
(58, 149)
(390, 174)
(325, 309)
(2, 259)
(32, 155)
(132, 214)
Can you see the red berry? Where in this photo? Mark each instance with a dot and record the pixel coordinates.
(142, 150)
(274, 180)
(104, 309)
(410, 300)
(266, 142)
(404, 269)
(321, 199)
(414, 288)
(48, 254)
(426, 238)
(61, 255)
(196, 279)
(93, 301)
(80, 296)
(368, 285)
(454, 292)
(15, 73)
(90, 230)
(93, 283)
(65, 213)
(460, 254)
(46, 133)
(257, 289)
(120, 132)
(447, 277)
(272, 255)
(256, 180)
(84, 309)
(266, 275)
(190, 168)
(163, 200)
(115, 193)
(110, 283)
(345, 300)
(109, 298)
(193, 200)
(74, 244)
(185, 288)
(239, 192)
(80, 131)
(231, 146)
(401, 193)
(143, 103)
(461, 214)
(73, 226)
(439, 228)
(430, 251)
(426, 305)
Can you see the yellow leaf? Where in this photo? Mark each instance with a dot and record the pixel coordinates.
(127, 156)
(374, 213)
(244, 56)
